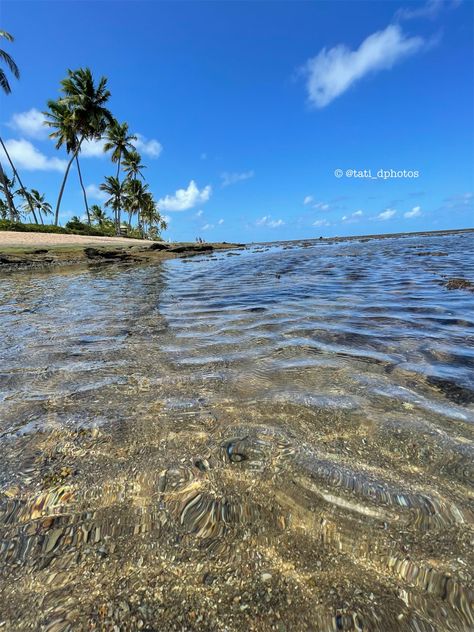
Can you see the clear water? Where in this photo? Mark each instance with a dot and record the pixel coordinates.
(279, 438)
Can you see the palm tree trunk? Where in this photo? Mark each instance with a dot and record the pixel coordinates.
(61, 190)
(41, 217)
(8, 195)
(117, 224)
(22, 188)
(83, 190)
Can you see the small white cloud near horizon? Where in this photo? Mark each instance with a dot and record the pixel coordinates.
(267, 220)
(353, 217)
(232, 178)
(200, 213)
(184, 199)
(415, 212)
(221, 221)
(387, 214)
(95, 193)
(463, 199)
(30, 123)
(308, 200)
(333, 71)
(151, 148)
(321, 206)
(26, 156)
(207, 227)
(321, 222)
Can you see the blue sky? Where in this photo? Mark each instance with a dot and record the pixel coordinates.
(246, 109)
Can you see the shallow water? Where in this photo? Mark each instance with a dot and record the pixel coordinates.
(279, 438)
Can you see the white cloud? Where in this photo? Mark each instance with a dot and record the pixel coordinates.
(93, 148)
(232, 178)
(321, 206)
(389, 213)
(321, 222)
(456, 201)
(353, 217)
(167, 218)
(207, 226)
(95, 193)
(267, 220)
(430, 9)
(26, 156)
(415, 212)
(221, 221)
(151, 148)
(308, 199)
(184, 199)
(333, 71)
(200, 213)
(30, 123)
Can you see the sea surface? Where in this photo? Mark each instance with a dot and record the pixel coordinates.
(274, 438)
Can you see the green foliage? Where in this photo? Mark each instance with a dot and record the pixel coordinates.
(6, 224)
(74, 225)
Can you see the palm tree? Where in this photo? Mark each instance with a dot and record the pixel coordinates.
(4, 83)
(6, 187)
(113, 187)
(61, 119)
(135, 192)
(28, 203)
(98, 215)
(119, 141)
(4, 210)
(40, 204)
(151, 215)
(5, 57)
(79, 114)
(132, 165)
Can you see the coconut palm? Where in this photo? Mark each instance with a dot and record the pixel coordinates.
(132, 165)
(6, 188)
(4, 210)
(8, 60)
(40, 204)
(79, 114)
(4, 83)
(153, 223)
(119, 142)
(113, 187)
(134, 198)
(98, 215)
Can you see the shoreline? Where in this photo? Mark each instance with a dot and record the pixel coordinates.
(50, 250)
(421, 233)
(36, 251)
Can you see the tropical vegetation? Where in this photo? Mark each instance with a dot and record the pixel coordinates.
(81, 114)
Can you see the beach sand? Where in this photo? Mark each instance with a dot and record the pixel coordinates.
(30, 240)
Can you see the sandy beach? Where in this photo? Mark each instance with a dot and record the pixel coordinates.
(30, 240)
